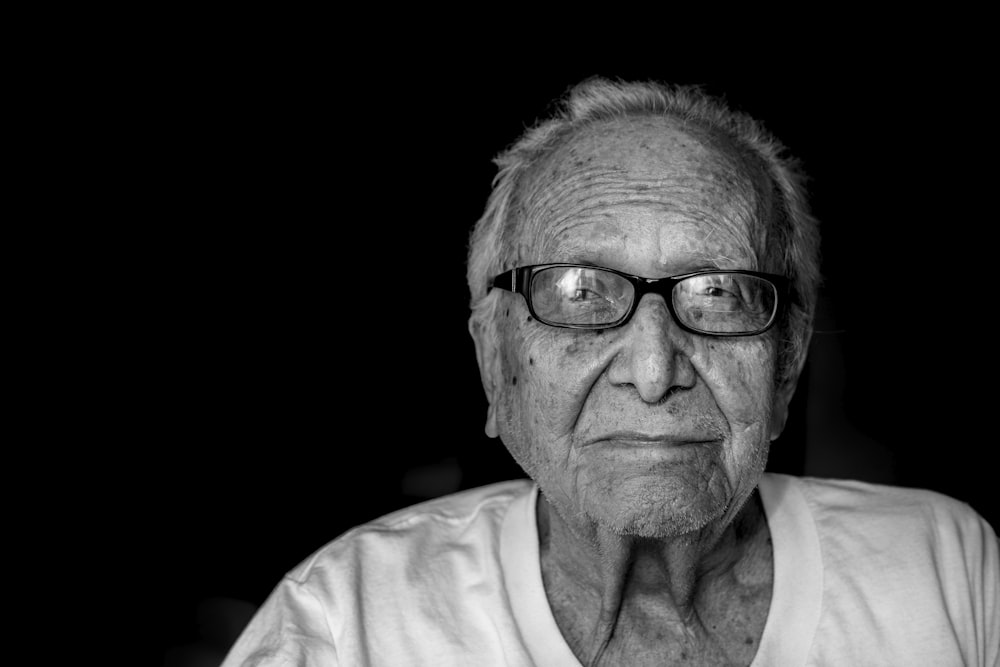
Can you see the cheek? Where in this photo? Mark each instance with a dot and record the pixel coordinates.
(519, 367)
(741, 378)
(740, 375)
(512, 360)
(559, 371)
(547, 373)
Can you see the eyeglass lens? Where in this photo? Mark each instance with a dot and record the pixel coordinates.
(710, 302)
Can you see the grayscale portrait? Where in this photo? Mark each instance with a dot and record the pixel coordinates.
(652, 344)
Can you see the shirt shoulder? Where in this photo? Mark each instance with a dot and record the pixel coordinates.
(421, 585)
(905, 572)
(439, 524)
(866, 506)
(867, 523)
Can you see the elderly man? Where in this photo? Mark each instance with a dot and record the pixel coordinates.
(643, 282)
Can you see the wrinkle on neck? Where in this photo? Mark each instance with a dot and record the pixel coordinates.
(605, 585)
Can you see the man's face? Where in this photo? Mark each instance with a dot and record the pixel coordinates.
(644, 429)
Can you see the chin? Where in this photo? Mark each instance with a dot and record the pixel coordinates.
(660, 521)
(659, 511)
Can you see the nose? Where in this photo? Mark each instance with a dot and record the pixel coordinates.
(656, 353)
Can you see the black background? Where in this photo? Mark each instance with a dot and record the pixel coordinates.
(302, 355)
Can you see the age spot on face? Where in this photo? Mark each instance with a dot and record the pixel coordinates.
(584, 339)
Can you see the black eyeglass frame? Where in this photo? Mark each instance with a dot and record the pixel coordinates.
(518, 280)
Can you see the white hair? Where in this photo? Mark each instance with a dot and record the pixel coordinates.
(789, 244)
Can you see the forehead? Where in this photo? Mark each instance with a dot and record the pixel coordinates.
(659, 167)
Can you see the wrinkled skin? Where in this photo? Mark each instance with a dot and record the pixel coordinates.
(646, 441)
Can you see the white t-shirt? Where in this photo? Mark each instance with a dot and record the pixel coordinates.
(863, 575)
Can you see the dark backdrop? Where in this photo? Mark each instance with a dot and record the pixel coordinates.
(312, 367)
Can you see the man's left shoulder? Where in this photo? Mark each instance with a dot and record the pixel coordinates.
(894, 510)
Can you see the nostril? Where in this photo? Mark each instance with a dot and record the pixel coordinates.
(669, 393)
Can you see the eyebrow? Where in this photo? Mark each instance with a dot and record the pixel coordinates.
(697, 263)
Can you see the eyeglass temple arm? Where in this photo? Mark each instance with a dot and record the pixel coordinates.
(509, 280)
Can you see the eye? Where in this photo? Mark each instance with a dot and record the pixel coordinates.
(584, 294)
(579, 295)
(725, 302)
(720, 287)
(718, 292)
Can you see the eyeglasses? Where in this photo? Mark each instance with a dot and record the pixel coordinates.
(716, 303)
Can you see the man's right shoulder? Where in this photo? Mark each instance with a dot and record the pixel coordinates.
(467, 520)
(395, 590)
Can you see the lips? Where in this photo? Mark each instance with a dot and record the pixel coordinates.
(662, 439)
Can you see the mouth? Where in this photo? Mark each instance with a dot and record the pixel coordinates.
(637, 439)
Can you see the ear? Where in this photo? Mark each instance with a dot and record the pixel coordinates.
(779, 411)
(785, 391)
(488, 358)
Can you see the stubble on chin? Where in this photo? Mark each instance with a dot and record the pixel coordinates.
(669, 507)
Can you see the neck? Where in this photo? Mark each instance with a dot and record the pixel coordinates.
(605, 587)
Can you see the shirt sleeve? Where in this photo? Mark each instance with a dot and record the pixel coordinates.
(985, 568)
(289, 630)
